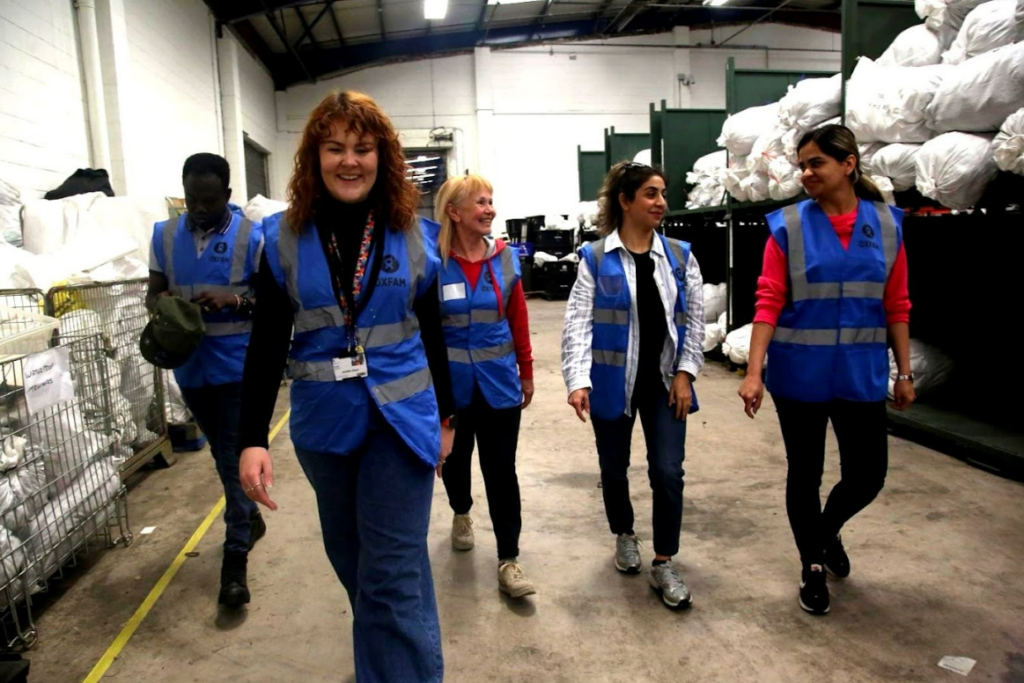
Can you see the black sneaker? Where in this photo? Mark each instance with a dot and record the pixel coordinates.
(257, 528)
(234, 588)
(837, 562)
(814, 591)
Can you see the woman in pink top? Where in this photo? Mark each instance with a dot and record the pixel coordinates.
(827, 306)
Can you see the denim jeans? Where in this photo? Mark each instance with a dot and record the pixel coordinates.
(374, 507)
(666, 448)
(217, 410)
(496, 432)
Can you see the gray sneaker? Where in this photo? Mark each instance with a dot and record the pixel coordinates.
(627, 554)
(666, 580)
(462, 532)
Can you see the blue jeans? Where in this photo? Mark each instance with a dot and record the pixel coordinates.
(374, 507)
(666, 448)
(217, 410)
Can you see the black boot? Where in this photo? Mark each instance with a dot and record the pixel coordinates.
(257, 528)
(234, 589)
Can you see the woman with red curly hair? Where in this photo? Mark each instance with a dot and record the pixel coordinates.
(349, 269)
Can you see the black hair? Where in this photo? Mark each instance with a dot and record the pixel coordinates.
(626, 178)
(840, 143)
(205, 163)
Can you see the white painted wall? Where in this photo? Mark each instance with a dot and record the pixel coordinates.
(547, 100)
(173, 97)
(44, 133)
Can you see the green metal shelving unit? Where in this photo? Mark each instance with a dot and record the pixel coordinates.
(682, 136)
(623, 146)
(869, 27)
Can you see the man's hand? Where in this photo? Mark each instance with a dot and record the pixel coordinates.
(580, 400)
(211, 301)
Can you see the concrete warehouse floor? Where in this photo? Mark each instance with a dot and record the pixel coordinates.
(936, 571)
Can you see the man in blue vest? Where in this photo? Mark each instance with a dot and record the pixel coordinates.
(209, 256)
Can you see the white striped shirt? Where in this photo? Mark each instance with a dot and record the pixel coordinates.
(578, 333)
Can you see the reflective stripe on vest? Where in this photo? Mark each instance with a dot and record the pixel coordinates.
(228, 328)
(480, 355)
(803, 290)
(846, 335)
(239, 255)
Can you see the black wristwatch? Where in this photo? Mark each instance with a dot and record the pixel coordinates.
(905, 378)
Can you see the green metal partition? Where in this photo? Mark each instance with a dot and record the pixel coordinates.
(623, 146)
(870, 26)
(592, 171)
(745, 88)
(686, 135)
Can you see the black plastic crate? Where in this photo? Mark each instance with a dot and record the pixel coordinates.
(558, 243)
(559, 277)
(534, 224)
(516, 228)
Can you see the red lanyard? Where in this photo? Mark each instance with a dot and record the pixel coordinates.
(357, 278)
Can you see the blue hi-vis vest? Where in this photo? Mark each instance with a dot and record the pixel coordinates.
(332, 416)
(227, 266)
(612, 307)
(830, 341)
(480, 347)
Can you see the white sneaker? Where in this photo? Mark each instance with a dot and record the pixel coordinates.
(513, 582)
(462, 532)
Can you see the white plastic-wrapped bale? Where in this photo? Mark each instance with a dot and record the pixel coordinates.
(867, 152)
(715, 301)
(732, 180)
(741, 130)
(768, 147)
(916, 46)
(888, 103)
(978, 95)
(931, 367)
(260, 208)
(706, 177)
(783, 180)
(986, 28)
(1008, 145)
(946, 17)
(714, 333)
(810, 102)
(643, 157)
(1018, 21)
(898, 163)
(955, 168)
(755, 186)
(737, 344)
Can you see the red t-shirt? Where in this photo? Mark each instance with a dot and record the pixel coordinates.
(518, 316)
(773, 285)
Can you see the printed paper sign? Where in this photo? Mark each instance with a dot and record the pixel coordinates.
(47, 379)
(454, 292)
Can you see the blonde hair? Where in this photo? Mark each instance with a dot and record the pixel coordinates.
(455, 191)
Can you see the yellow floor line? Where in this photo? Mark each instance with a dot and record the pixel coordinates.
(129, 629)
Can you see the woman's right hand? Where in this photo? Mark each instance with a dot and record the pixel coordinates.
(256, 474)
(580, 400)
(752, 393)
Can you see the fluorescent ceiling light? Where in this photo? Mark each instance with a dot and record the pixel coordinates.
(435, 9)
(715, 3)
(508, 2)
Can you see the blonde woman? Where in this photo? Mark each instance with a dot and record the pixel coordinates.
(487, 331)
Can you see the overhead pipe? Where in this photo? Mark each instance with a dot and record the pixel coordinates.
(88, 34)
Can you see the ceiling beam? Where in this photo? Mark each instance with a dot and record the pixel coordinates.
(308, 27)
(380, 18)
(628, 13)
(284, 39)
(337, 27)
(232, 11)
(756, 21)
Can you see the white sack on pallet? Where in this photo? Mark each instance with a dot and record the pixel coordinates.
(783, 179)
(743, 128)
(917, 46)
(259, 208)
(706, 177)
(810, 102)
(643, 157)
(61, 525)
(714, 301)
(954, 169)
(737, 344)
(12, 564)
(714, 333)
(986, 28)
(1008, 145)
(1018, 21)
(792, 138)
(67, 443)
(733, 177)
(174, 404)
(978, 95)
(931, 367)
(18, 489)
(945, 15)
(710, 164)
(888, 103)
(898, 163)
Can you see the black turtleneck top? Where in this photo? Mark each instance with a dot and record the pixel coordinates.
(273, 318)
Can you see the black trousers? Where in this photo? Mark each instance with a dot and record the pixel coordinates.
(863, 456)
(497, 434)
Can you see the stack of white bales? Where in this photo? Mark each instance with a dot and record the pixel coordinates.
(933, 102)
